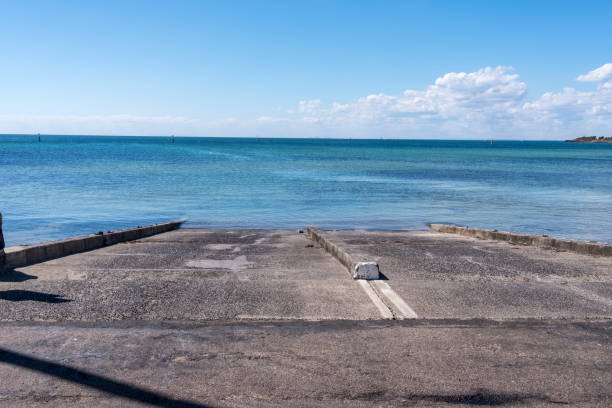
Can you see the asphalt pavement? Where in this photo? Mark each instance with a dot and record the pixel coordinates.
(232, 318)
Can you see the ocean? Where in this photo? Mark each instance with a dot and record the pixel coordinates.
(74, 185)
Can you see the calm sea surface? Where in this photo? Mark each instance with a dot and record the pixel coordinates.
(70, 185)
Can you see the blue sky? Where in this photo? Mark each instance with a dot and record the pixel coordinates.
(307, 69)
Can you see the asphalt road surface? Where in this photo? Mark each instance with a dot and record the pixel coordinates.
(214, 318)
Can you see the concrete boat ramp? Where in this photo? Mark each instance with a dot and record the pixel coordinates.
(231, 318)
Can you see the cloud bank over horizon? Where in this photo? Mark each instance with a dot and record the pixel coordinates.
(491, 101)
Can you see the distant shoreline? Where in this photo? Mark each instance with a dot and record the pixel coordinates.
(590, 139)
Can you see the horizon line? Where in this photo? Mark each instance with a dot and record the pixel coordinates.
(487, 138)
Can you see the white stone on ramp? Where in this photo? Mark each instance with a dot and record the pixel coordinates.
(366, 270)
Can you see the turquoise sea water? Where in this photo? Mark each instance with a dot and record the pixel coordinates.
(70, 185)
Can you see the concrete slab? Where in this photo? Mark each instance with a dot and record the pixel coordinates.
(307, 364)
(496, 300)
(421, 254)
(447, 276)
(189, 275)
(197, 318)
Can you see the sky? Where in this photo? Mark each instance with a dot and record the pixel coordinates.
(522, 70)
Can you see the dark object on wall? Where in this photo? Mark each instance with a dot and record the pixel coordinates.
(2, 254)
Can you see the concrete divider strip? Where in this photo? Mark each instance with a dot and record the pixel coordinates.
(385, 312)
(401, 308)
(361, 269)
(30, 254)
(540, 241)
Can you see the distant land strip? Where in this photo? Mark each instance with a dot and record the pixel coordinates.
(591, 139)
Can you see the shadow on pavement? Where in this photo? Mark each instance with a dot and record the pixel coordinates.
(15, 276)
(483, 398)
(22, 295)
(94, 381)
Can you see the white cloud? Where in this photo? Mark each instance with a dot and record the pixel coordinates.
(225, 121)
(309, 106)
(603, 75)
(573, 111)
(490, 100)
(569, 105)
(484, 95)
(270, 119)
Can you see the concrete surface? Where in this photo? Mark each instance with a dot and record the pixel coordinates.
(541, 241)
(23, 255)
(307, 364)
(198, 318)
(188, 275)
(358, 268)
(450, 276)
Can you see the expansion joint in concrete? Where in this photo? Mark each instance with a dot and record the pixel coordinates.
(394, 302)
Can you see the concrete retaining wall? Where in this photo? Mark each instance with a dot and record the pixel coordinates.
(29, 254)
(2, 255)
(581, 247)
(358, 269)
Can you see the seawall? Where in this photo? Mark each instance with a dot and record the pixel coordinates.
(562, 244)
(23, 255)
